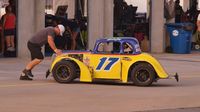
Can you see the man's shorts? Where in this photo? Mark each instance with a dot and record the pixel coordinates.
(35, 51)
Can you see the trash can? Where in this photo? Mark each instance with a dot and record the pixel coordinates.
(180, 37)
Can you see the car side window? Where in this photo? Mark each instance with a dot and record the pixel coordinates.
(100, 47)
(127, 48)
(116, 48)
(104, 48)
(108, 48)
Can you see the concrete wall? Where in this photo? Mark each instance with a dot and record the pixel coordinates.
(157, 26)
(39, 14)
(186, 4)
(30, 19)
(100, 21)
(25, 22)
(108, 18)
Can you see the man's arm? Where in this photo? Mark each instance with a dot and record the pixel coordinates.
(53, 46)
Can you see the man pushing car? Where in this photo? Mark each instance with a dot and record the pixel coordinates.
(46, 35)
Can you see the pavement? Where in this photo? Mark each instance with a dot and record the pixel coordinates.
(186, 65)
(183, 64)
(45, 95)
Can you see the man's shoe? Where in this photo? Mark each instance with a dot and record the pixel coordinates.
(25, 78)
(27, 73)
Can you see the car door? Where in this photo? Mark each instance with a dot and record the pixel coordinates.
(106, 66)
(106, 60)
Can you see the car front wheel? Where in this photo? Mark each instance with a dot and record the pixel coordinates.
(64, 72)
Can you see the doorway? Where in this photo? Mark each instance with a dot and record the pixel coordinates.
(8, 23)
(73, 15)
(131, 19)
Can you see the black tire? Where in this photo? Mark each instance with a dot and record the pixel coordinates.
(143, 74)
(64, 72)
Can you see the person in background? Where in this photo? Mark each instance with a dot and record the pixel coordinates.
(170, 11)
(193, 12)
(197, 33)
(198, 23)
(74, 29)
(12, 3)
(169, 14)
(178, 12)
(1, 40)
(46, 35)
(9, 23)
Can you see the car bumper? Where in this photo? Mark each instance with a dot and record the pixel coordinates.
(176, 76)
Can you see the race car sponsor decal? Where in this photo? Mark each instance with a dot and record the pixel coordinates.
(86, 61)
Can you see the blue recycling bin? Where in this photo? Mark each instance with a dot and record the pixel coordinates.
(180, 37)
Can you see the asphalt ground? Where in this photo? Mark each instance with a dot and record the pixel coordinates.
(46, 95)
(177, 110)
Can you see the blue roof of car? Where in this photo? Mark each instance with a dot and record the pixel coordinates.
(117, 39)
(133, 41)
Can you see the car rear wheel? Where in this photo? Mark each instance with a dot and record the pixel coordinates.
(64, 72)
(143, 74)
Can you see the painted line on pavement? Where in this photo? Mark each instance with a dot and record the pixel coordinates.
(22, 85)
(44, 84)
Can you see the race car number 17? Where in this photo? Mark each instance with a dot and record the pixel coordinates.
(110, 62)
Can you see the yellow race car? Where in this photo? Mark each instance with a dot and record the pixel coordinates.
(118, 59)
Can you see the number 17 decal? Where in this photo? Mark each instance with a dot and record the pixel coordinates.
(111, 63)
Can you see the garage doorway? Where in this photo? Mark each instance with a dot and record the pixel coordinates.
(8, 25)
(131, 19)
(73, 15)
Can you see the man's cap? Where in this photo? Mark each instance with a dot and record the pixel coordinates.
(62, 29)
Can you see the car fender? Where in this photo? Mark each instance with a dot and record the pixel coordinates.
(85, 75)
(143, 58)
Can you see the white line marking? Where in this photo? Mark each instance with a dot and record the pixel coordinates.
(21, 85)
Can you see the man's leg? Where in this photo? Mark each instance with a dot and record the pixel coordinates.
(36, 57)
(73, 44)
(32, 64)
(26, 73)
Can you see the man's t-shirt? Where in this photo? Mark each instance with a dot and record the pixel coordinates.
(41, 37)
